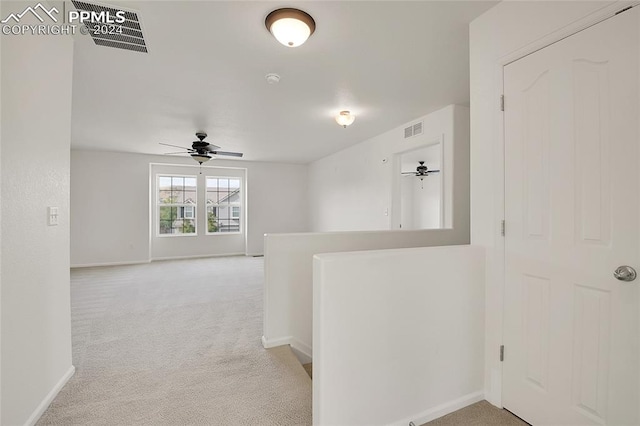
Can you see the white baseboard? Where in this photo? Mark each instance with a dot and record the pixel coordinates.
(302, 348)
(93, 265)
(140, 262)
(42, 407)
(274, 343)
(442, 409)
(199, 256)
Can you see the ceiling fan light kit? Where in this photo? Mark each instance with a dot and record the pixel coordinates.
(201, 158)
(291, 27)
(345, 118)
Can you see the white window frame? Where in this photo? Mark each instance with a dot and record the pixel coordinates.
(158, 205)
(230, 205)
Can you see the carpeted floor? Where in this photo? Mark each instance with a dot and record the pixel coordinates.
(479, 414)
(177, 343)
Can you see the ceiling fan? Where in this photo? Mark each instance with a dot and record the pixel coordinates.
(421, 171)
(200, 150)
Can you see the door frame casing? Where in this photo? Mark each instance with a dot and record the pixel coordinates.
(499, 265)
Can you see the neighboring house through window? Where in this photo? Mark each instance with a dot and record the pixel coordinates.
(177, 204)
(224, 205)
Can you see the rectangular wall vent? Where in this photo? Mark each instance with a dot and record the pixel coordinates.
(408, 132)
(413, 130)
(417, 129)
(131, 36)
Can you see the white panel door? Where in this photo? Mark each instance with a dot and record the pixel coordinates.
(572, 217)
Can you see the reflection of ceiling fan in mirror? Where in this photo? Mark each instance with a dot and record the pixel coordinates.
(202, 151)
(421, 171)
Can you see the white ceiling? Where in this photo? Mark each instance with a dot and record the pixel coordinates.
(387, 62)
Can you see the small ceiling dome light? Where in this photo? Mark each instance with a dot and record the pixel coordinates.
(272, 78)
(345, 118)
(291, 27)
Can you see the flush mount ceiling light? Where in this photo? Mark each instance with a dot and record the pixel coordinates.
(291, 27)
(345, 118)
(272, 78)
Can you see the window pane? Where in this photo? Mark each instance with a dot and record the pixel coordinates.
(164, 197)
(164, 182)
(177, 226)
(190, 197)
(167, 217)
(165, 226)
(212, 219)
(212, 183)
(223, 190)
(188, 226)
(177, 183)
(164, 190)
(168, 213)
(234, 197)
(212, 190)
(177, 197)
(172, 218)
(223, 212)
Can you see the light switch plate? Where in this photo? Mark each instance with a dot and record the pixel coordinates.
(53, 216)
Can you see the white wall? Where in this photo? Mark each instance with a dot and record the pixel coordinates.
(112, 189)
(36, 123)
(2, 10)
(504, 33)
(398, 335)
(288, 272)
(352, 190)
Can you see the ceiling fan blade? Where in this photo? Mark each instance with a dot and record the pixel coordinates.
(175, 153)
(230, 154)
(433, 171)
(211, 147)
(175, 146)
(408, 173)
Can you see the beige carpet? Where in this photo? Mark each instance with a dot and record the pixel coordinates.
(479, 414)
(177, 343)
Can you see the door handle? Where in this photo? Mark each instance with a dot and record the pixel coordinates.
(625, 273)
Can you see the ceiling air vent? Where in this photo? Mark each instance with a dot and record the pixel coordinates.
(128, 36)
(413, 130)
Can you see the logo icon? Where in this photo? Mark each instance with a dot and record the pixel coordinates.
(34, 11)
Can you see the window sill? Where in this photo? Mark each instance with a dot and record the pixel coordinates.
(175, 235)
(223, 233)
